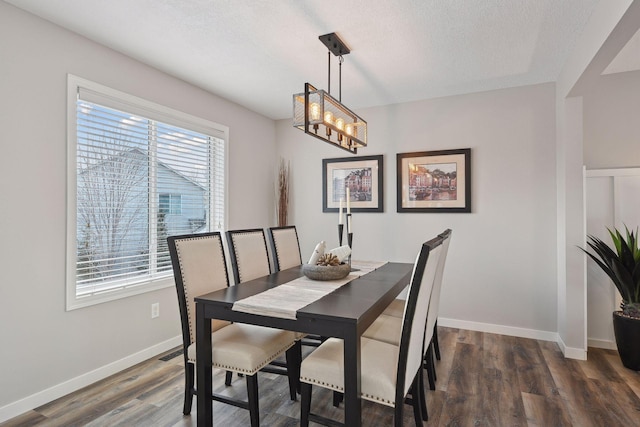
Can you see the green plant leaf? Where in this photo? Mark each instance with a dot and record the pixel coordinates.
(620, 263)
(615, 237)
(607, 269)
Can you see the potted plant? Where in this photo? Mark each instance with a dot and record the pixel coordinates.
(623, 267)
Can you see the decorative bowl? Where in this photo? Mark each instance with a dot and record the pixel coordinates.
(326, 272)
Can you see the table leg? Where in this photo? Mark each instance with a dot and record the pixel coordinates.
(204, 384)
(352, 401)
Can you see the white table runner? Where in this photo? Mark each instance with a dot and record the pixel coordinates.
(285, 300)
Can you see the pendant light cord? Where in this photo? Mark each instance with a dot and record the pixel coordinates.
(340, 61)
(329, 71)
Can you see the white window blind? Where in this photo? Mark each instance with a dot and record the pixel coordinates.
(141, 173)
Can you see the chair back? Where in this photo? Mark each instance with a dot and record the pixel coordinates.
(415, 316)
(434, 302)
(199, 267)
(249, 255)
(285, 247)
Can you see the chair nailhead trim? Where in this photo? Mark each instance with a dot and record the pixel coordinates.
(252, 371)
(321, 383)
(341, 389)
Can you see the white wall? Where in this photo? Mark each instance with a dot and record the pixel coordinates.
(45, 350)
(611, 202)
(501, 271)
(611, 126)
(611, 134)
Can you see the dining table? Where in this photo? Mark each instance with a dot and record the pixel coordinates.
(344, 313)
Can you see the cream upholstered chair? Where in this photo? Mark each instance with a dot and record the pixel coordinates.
(285, 247)
(431, 333)
(250, 260)
(388, 372)
(396, 308)
(199, 267)
(388, 325)
(249, 255)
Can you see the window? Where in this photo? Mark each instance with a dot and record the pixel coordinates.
(170, 204)
(138, 173)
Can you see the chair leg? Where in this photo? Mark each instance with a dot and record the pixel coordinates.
(227, 378)
(252, 395)
(436, 345)
(294, 359)
(415, 393)
(430, 367)
(398, 414)
(433, 363)
(337, 398)
(189, 378)
(422, 396)
(305, 404)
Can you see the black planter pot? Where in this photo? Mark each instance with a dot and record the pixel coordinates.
(627, 331)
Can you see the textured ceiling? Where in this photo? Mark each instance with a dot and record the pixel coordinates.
(257, 53)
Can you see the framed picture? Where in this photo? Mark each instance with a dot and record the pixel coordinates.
(361, 177)
(434, 181)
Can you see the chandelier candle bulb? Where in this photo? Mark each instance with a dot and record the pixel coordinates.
(328, 117)
(314, 111)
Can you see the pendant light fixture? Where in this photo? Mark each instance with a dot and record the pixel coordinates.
(319, 114)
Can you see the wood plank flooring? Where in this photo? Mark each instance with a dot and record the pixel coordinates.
(483, 380)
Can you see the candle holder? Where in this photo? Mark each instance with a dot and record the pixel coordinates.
(350, 243)
(340, 230)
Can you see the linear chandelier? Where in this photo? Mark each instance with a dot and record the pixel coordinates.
(319, 114)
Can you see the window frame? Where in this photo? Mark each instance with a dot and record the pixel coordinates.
(134, 105)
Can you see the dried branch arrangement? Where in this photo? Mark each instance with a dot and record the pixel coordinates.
(282, 207)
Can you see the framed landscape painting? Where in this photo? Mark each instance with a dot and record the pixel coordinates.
(361, 175)
(434, 181)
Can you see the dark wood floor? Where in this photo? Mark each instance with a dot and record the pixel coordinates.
(483, 380)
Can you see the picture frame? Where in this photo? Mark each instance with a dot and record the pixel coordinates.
(434, 181)
(364, 177)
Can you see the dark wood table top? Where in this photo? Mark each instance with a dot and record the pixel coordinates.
(359, 301)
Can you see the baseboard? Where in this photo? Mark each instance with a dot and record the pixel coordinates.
(499, 329)
(571, 352)
(45, 396)
(607, 344)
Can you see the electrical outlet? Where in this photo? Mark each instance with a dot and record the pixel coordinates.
(155, 310)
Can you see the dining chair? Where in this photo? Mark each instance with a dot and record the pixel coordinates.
(387, 328)
(396, 307)
(285, 247)
(249, 254)
(199, 267)
(250, 260)
(434, 307)
(388, 372)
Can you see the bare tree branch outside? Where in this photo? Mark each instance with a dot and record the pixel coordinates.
(112, 203)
